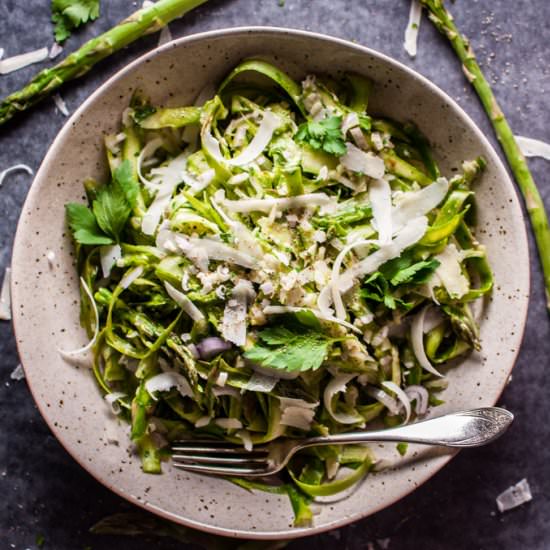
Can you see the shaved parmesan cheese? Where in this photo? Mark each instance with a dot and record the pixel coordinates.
(109, 255)
(165, 381)
(357, 135)
(402, 396)
(81, 356)
(417, 341)
(533, 147)
(131, 276)
(297, 413)
(202, 422)
(246, 439)
(55, 50)
(17, 373)
(351, 120)
(261, 382)
(5, 296)
(214, 250)
(112, 400)
(50, 257)
(165, 36)
(380, 199)
(60, 104)
(184, 302)
(265, 205)
(409, 235)
(14, 168)
(17, 62)
(228, 423)
(514, 496)
(234, 314)
(357, 160)
(411, 33)
(413, 204)
(335, 386)
(450, 273)
(148, 150)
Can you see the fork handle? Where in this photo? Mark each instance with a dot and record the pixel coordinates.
(471, 428)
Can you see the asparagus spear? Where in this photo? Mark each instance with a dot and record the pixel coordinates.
(144, 21)
(443, 20)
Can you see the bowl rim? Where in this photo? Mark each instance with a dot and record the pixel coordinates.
(290, 533)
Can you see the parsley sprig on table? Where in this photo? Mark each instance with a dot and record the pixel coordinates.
(104, 222)
(67, 15)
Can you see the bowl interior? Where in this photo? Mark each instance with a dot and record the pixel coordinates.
(46, 301)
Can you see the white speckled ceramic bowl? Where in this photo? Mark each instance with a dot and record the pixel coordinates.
(45, 299)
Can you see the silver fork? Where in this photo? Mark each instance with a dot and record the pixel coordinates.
(471, 428)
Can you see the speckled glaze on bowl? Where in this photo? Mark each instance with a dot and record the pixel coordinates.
(45, 299)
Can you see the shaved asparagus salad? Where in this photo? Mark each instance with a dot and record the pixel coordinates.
(275, 261)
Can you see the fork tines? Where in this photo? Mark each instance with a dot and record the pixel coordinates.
(219, 457)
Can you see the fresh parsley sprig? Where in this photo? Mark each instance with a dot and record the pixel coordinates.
(104, 222)
(281, 348)
(67, 15)
(325, 134)
(381, 285)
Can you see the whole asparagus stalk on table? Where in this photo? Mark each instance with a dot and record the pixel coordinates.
(144, 21)
(443, 20)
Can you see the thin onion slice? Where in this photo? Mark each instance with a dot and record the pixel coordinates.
(402, 396)
(14, 168)
(270, 122)
(417, 341)
(387, 400)
(112, 399)
(81, 356)
(335, 386)
(20, 61)
(334, 283)
(411, 32)
(147, 151)
(184, 302)
(421, 395)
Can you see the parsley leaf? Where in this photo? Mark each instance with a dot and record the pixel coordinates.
(114, 202)
(290, 351)
(104, 222)
(84, 225)
(417, 273)
(403, 270)
(325, 134)
(67, 15)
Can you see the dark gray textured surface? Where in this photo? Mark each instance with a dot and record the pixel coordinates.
(44, 491)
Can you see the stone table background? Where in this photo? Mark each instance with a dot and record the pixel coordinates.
(44, 492)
